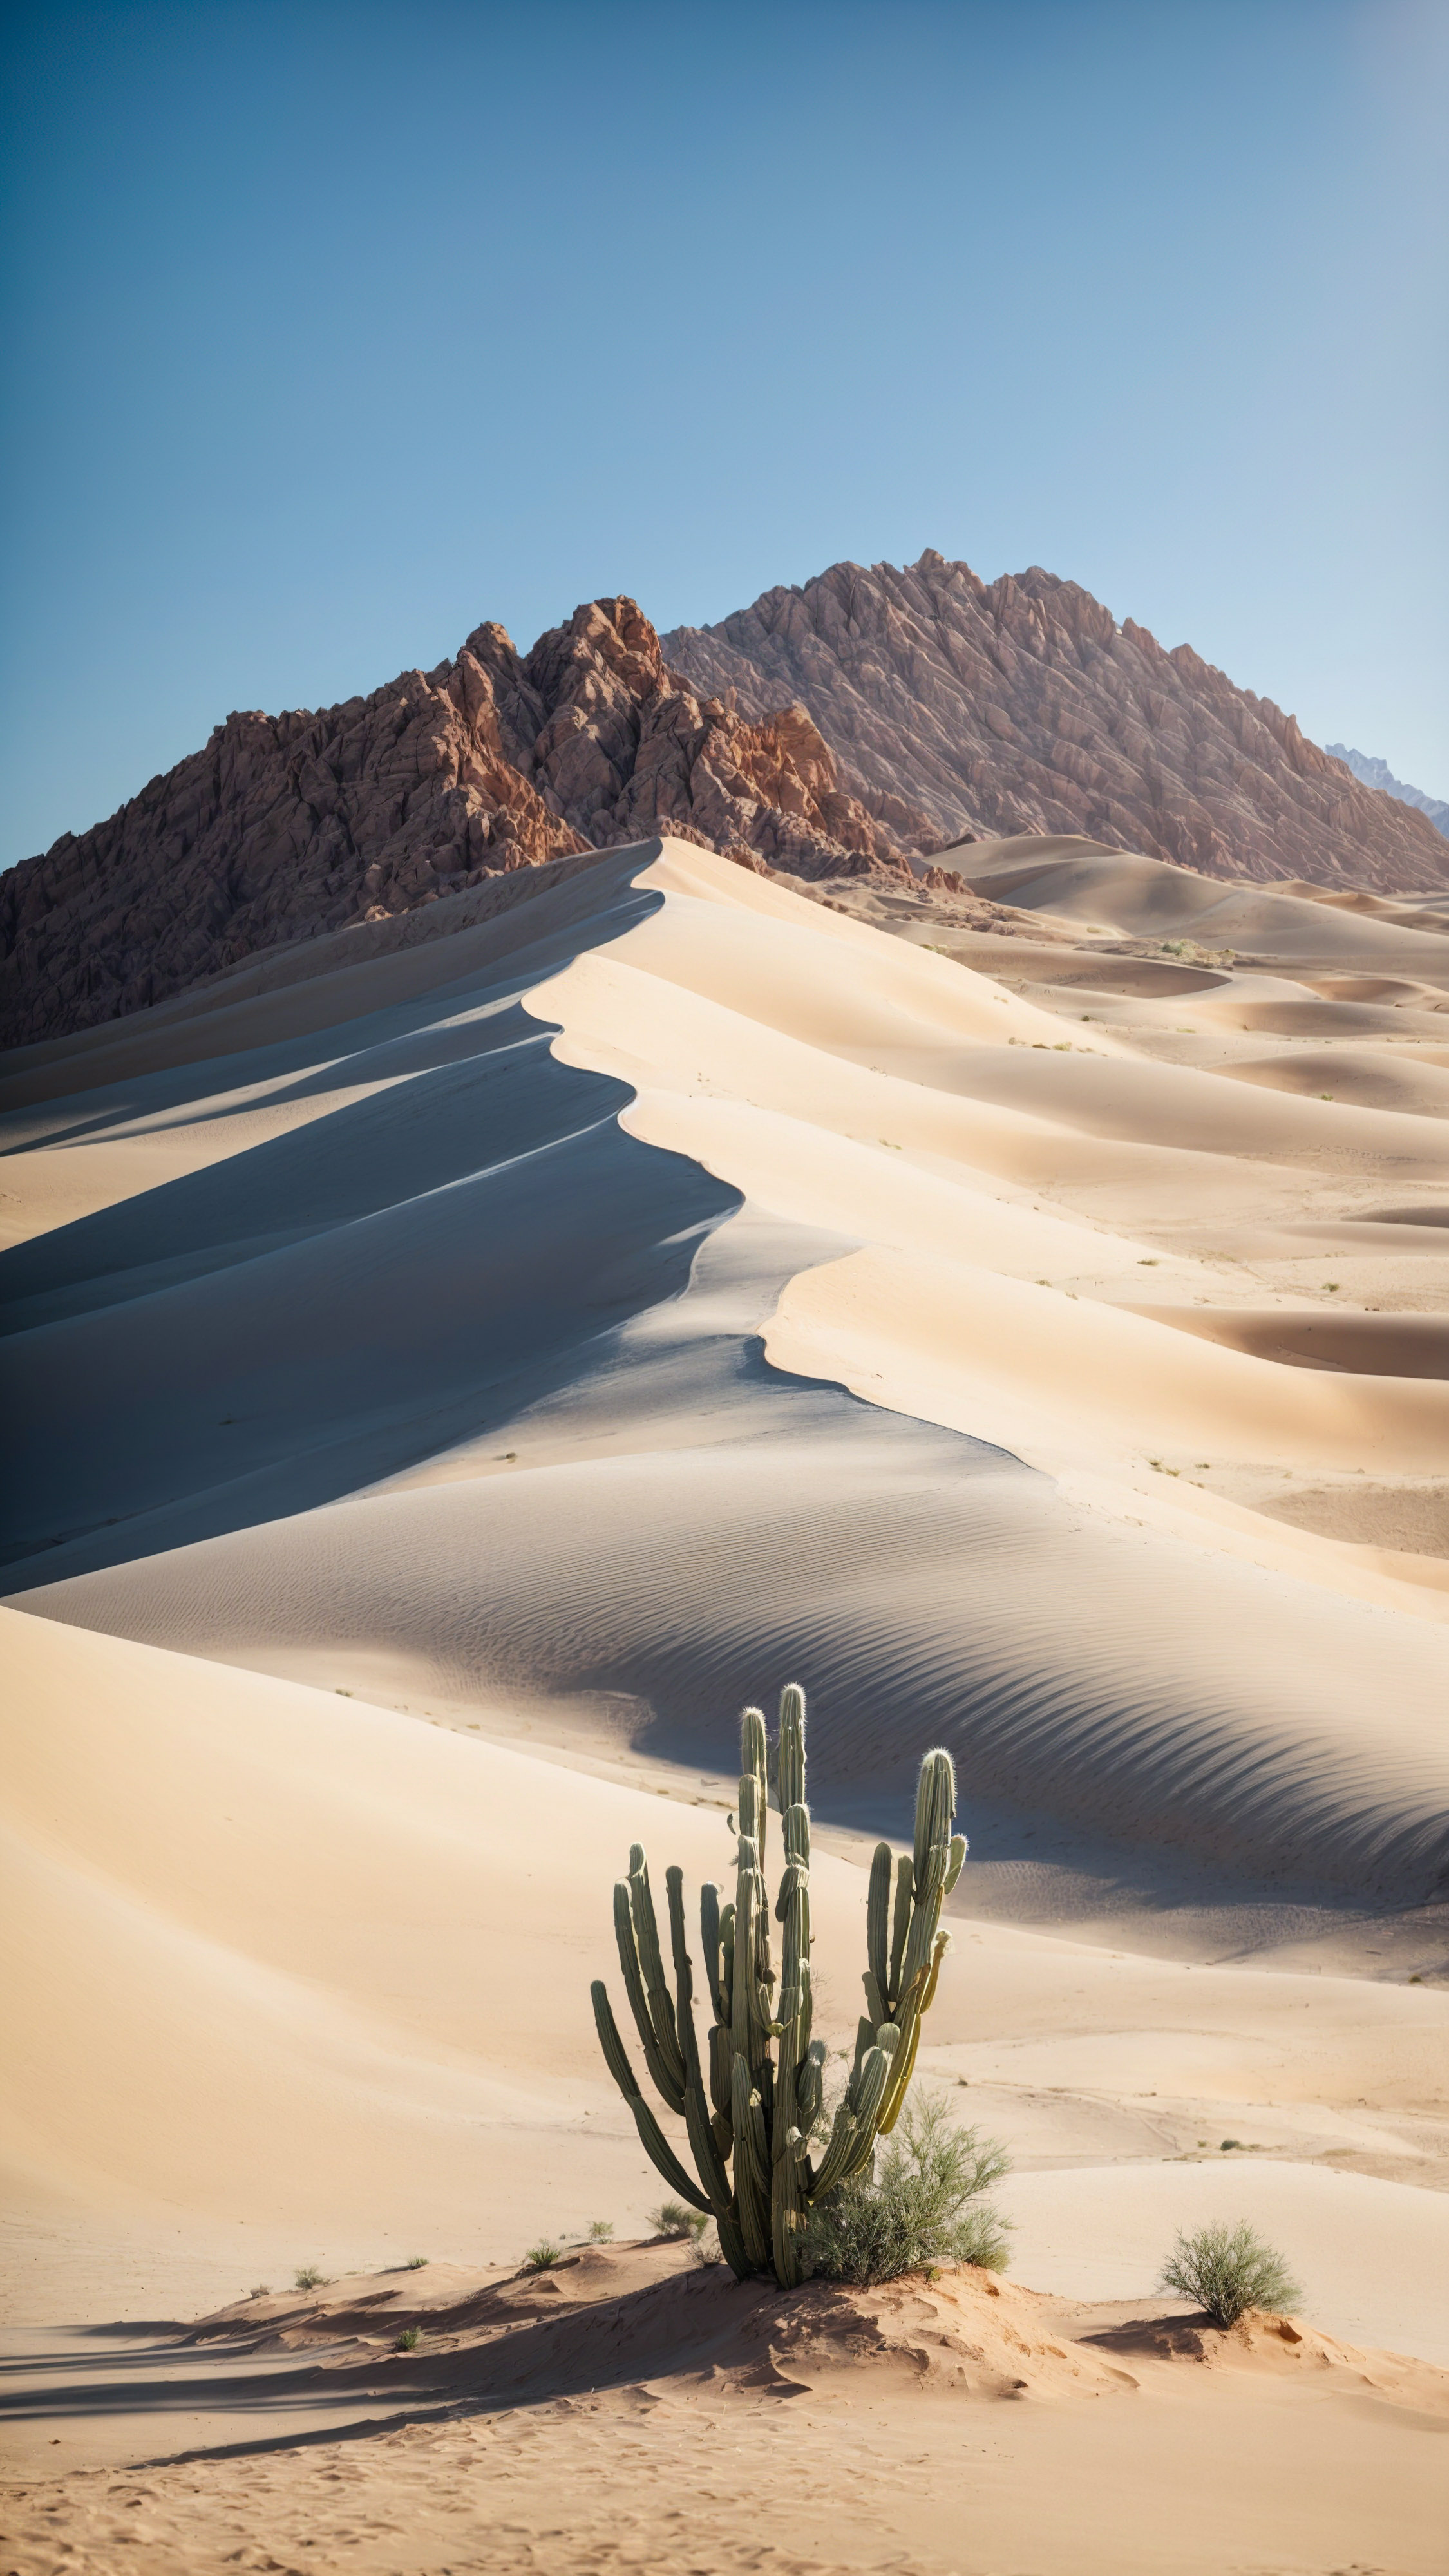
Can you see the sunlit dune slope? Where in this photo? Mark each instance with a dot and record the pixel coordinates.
(647, 1282)
(304, 1977)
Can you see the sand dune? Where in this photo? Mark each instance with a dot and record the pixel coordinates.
(1148, 898)
(599, 1214)
(563, 1312)
(348, 2023)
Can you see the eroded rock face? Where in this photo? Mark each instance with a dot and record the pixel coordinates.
(1025, 708)
(286, 826)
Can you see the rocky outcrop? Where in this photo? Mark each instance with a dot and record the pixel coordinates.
(287, 826)
(1377, 773)
(841, 730)
(1024, 707)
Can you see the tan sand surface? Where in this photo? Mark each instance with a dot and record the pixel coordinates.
(326, 1967)
(625, 2412)
(453, 1364)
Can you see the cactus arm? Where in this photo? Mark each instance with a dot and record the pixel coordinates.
(674, 1896)
(754, 1765)
(727, 1963)
(659, 2068)
(935, 1805)
(905, 1892)
(708, 2159)
(896, 2092)
(810, 2085)
(710, 1935)
(651, 2136)
(720, 2054)
(651, 1968)
(956, 1861)
(743, 1981)
(877, 1917)
(865, 2031)
(788, 2178)
(790, 1751)
(752, 2172)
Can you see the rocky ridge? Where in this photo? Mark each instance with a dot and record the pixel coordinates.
(1023, 707)
(847, 729)
(287, 826)
(1377, 773)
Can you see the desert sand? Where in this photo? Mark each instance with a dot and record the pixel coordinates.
(455, 1362)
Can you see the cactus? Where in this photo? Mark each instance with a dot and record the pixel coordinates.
(752, 2106)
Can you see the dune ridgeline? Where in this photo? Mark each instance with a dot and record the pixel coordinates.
(455, 1359)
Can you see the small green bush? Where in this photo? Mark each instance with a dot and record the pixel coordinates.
(922, 2207)
(672, 2218)
(309, 2278)
(543, 2256)
(408, 2340)
(1227, 2270)
(416, 2263)
(601, 2231)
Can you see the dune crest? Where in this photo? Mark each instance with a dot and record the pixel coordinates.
(700, 1238)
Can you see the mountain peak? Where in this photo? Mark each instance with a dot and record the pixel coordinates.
(1022, 706)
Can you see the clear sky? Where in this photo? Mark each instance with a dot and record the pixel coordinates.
(333, 330)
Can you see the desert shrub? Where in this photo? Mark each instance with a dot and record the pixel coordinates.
(672, 2218)
(542, 2256)
(1227, 2270)
(408, 2340)
(416, 2263)
(309, 2278)
(707, 2248)
(601, 2231)
(922, 2206)
(259, 2290)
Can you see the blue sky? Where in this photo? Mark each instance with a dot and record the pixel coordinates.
(335, 329)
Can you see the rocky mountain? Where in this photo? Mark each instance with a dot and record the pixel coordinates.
(846, 729)
(1023, 707)
(288, 825)
(1377, 773)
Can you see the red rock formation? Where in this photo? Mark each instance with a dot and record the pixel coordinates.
(951, 709)
(286, 826)
(1025, 708)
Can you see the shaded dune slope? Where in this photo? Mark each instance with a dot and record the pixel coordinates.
(543, 1303)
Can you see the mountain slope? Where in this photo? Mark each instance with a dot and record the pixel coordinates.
(1024, 707)
(1377, 773)
(287, 826)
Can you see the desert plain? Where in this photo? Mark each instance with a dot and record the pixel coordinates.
(455, 1362)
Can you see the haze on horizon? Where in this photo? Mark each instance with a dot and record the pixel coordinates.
(335, 331)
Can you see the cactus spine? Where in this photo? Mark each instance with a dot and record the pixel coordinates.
(752, 2110)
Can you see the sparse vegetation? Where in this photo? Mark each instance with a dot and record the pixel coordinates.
(408, 2340)
(601, 2231)
(542, 2256)
(1229, 2270)
(671, 2218)
(751, 2110)
(923, 2207)
(416, 2263)
(260, 2290)
(309, 2278)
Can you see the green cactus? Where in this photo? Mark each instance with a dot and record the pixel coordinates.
(751, 2112)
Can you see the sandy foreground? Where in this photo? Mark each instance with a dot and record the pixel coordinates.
(454, 1364)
